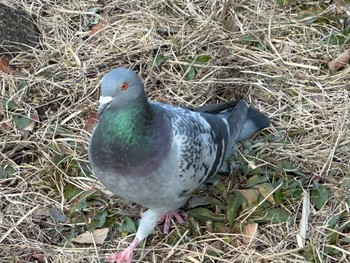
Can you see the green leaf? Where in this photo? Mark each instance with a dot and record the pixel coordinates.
(256, 179)
(204, 214)
(7, 171)
(250, 39)
(71, 191)
(282, 3)
(194, 227)
(348, 200)
(127, 226)
(22, 123)
(221, 227)
(190, 72)
(335, 39)
(276, 215)
(334, 220)
(296, 132)
(319, 195)
(333, 238)
(278, 194)
(47, 74)
(345, 240)
(82, 204)
(22, 85)
(57, 215)
(203, 200)
(248, 171)
(202, 59)
(98, 221)
(60, 131)
(234, 205)
(9, 104)
(345, 184)
(157, 61)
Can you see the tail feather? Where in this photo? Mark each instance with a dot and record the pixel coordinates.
(242, 124)
(255, 121)
(218, 107)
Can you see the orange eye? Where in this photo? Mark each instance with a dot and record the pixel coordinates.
(124, 86)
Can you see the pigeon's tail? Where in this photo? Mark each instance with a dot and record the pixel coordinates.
(254, 122)
(243, 121)
(238, 113)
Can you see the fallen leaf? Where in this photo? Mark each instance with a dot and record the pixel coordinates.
(265, 190)
(250, 231)
(275, 215)
(339, 62)
(157, 61)
(190, 72)
(234, 206)
(43, 211)
(250, 195)
(91, 121)
(34, 117)
(97, 236)
(99, 26)
(319, 195)
(5, 126)
(5, 66)
(57, 215)
(204, 214)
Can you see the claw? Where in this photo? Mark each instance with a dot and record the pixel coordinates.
(167, 220)
(124, 256)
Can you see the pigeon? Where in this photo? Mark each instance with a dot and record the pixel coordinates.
(155, 154)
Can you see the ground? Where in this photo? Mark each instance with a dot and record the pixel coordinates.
(280, 56)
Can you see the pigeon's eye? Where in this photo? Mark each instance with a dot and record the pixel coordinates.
(124, 86)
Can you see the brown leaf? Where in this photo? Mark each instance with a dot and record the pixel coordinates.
(250, 195)
(91, 121)
(5, 66)
(266, 190)
(34, 117)
(5, 126)
(42, 211)
(339, 62)
(250, 231)
(97, 236)
(99, 26)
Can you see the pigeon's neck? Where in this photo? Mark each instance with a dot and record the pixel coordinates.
(131, 138)
(128, 124)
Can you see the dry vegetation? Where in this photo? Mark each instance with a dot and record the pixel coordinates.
(257, 50)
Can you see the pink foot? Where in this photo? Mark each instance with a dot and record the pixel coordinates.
(167, 220)
(125, 256)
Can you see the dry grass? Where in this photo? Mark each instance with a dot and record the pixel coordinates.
(288, 80)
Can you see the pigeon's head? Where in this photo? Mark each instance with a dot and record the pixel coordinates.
(119, 85)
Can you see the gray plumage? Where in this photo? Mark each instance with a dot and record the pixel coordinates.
(156, 154)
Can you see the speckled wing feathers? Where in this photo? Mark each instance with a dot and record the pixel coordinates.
(201, 139)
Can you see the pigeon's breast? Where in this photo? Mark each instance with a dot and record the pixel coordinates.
(192, 153)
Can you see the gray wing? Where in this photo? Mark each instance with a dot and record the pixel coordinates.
(202, 140)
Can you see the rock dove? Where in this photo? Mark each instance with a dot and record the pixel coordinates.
(155, 154)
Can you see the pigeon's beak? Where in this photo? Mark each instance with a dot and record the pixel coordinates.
(103, 102)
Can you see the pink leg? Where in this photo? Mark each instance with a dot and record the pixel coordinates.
(167, 220)
(125, 256)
